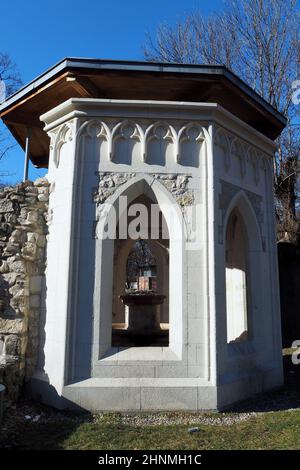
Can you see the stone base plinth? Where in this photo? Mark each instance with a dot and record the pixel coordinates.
(143, 312)
(152, 393)
(143, 319)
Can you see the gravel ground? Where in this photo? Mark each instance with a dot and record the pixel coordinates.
(171, 419)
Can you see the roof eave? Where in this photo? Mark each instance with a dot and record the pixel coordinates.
(98, 64)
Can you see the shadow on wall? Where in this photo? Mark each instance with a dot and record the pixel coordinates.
(42, 331)
(4, 297)
(289, 278)
(284, 398)
(10, 326)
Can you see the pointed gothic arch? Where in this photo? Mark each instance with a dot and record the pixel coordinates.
(153, 190)
(242, 268)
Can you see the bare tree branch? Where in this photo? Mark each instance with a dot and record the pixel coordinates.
(10, 75)
(259, 40)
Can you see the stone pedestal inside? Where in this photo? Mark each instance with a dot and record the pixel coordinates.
(143, 312)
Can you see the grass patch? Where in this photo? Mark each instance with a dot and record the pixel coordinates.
(280, 430)
(270, 421)
(270, 430)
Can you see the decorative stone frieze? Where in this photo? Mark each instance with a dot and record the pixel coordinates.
(108, 183)
(186, 138)
(249, 157)
(178, 185)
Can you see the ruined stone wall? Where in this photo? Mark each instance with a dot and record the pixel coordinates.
(23, 228)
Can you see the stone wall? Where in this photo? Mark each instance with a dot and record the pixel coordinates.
(23, 228)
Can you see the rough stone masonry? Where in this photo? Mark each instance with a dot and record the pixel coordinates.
(23, 230)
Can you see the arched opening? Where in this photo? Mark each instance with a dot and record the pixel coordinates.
(165, 234)
(236, 278)
(140, 302)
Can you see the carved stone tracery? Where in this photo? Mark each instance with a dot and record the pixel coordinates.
(249, 157)
(143, 132)
(228, 191)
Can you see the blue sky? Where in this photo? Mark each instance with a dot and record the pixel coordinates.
(38, 34)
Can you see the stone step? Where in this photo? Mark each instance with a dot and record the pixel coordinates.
(145, 394)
